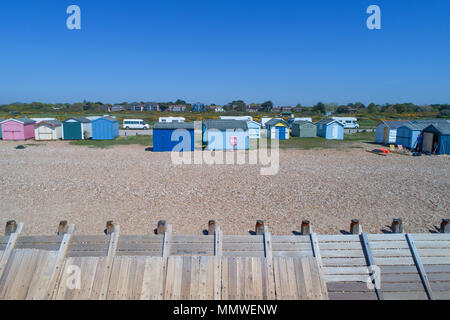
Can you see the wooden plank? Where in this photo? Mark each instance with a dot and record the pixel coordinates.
(111, 253)
(268, 247)
(9, 247)
(166, 242)
(352, 295)
(371, 264)
(419, 265)
(62, 252)
(338, 238)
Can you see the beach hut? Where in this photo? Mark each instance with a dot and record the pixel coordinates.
(254, 129)
(225, 134)
(17, 129)
(105, 128)
(77, 129)
(386, 131)
(330, 129)
(407, 135)
(303, 129)
(277, 128)
(436, 138)
(173, 136)
(48, 130)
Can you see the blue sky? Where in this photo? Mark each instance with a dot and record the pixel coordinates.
(216, 51)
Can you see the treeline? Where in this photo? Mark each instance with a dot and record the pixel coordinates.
(443, 110)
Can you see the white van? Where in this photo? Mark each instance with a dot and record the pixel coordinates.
(171, 119)
(135, 124)
(348, 122)
(245, 118)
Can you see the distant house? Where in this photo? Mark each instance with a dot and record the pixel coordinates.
(386, 131)
(105, 128)
(116, 108)
(225, 134)
(219, 109)
(253, 108)
(48, 130)
(151, 106)
(330, 129)
(174, 136)
(177, 108)
(254, 129)
(277, 128)
(198, 107)
(436, 138)
(77, 129)
(304, 129)
(17, 129)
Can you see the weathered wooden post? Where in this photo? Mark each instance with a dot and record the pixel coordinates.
(259, 228)
(211, 227)
(11, 227)
(355, 227)
(162, 227)
(445, 226)
(306, 228)
(63, 227)
(109, 227)
(397, 225)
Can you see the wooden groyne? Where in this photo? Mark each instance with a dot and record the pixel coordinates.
(163, 265)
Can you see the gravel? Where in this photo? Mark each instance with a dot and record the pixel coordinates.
(54, 181)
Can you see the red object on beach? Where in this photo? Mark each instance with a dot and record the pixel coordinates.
(382, 150)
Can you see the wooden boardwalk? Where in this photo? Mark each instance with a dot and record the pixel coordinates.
(220, 267)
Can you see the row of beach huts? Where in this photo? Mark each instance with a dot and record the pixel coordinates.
(429, 136)
(97, 128)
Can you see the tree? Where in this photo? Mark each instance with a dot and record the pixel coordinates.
(319, 107)
(372, 108)
(266, 106)
(179, 101)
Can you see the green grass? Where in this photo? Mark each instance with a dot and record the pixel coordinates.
(143, 140)
(350, 141)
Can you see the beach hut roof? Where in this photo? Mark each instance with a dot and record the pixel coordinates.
(394, 124)
(21, 120)
(107, 118)
(302, 122)
(328, 121)
(442, 128)
(274, 121)
(173, 125)
(79, 119)
(52, 123)
(225, 124)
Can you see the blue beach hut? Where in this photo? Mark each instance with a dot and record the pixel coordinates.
(105, 128)
(330, 129)
(173, 136)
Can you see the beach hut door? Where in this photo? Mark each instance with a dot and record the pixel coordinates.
(428, 142)
(334, 132)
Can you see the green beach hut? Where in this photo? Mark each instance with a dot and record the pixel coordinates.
(304, 129)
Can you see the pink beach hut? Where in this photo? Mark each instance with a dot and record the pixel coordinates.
(18, 129)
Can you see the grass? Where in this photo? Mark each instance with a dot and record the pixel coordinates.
(350, 141)
(143, 140)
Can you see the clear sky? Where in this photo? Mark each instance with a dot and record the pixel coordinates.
(216, 51)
